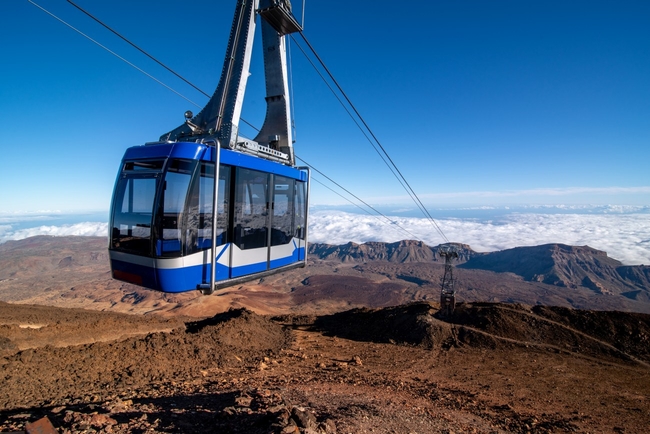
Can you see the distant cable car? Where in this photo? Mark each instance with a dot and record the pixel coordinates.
(169, 194)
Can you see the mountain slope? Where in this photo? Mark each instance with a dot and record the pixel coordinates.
(74, 272)
(400, 252)
(568, 266)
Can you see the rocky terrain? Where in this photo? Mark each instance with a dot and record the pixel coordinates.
(570, 267)
(400, 252)
(491, 368)
(353, 343)
(74, 272)
(569, 275)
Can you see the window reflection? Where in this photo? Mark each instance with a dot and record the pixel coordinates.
(251, 209)
(199, 218)
(176, 185)
(132, 214)
(283, 211)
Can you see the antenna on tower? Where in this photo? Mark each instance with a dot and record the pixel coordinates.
(447, 290)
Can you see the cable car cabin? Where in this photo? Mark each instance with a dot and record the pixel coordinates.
(168, 227)
(162, 216)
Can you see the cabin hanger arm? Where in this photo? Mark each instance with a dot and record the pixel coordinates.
(219, 119)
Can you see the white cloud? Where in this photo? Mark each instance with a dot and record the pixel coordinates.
(3, 230)
(90, 229)
(625, 237)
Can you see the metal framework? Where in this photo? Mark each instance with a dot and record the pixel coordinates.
(447, 290)
(219, 120)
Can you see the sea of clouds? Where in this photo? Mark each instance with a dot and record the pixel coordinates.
(624, 234)
(88, 229)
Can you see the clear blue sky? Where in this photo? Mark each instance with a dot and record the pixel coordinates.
(478, 102)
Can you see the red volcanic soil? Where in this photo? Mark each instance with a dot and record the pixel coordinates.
(491, 368)
(338, 347)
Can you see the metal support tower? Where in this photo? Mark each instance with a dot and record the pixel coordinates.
(447, 291)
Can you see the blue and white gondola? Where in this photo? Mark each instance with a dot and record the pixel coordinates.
(167, 195)
(161, 218)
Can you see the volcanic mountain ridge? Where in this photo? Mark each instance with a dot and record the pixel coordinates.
(569, 266)
(553, 264)
(74, 272)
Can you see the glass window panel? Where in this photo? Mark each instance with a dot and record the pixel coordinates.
(300, 210)
(139, 195)
(282, 229)
(133, 209)
(176, 185)
(145, 165)
(251, 214)
(200, 217)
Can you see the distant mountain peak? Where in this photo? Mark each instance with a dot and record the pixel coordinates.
(564, 265)
(554, 264)
(399, 251)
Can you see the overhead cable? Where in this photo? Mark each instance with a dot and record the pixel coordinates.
(243, 120)
(365, 210)
(125, 39)
(355, 196)
(136, 47)
(417, 199)
(354, 119)
(113, 53)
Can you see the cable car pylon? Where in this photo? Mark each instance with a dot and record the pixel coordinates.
(447, 286)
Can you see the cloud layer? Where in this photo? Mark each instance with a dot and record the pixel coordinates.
(624, 236)
(89, 229)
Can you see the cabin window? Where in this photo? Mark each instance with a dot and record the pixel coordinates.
(251, 209)
(199, 218)
(172, 203)
(283, 211)
(132, 214)
(144, 165)
(300, 211)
